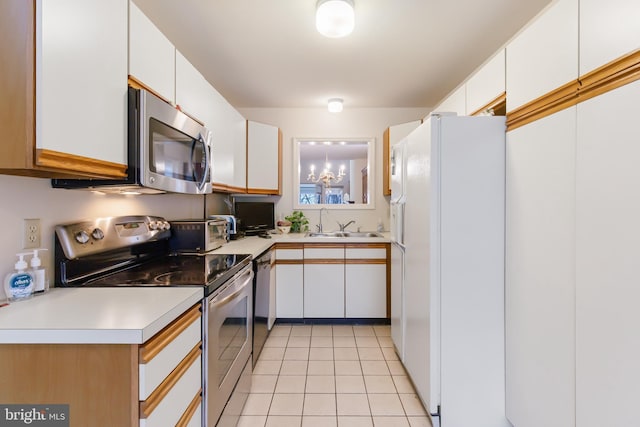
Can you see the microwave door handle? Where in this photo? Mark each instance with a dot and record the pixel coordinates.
(202, 182)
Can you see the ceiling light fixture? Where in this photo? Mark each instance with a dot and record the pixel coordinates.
(335, 105)
(335, 18)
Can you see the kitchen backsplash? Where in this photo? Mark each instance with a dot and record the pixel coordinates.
(34, 198)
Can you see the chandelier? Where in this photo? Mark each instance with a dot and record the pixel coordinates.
(326, 177)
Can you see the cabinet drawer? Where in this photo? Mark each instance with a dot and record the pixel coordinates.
(366, 253)
(162, 353)
(324, 253)
(169, 402)
(289, 254)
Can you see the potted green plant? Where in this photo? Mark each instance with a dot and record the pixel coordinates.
(299, 222)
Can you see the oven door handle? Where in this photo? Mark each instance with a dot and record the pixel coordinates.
(215, 303)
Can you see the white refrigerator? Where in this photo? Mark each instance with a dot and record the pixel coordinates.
(397, 245)
(452, 220)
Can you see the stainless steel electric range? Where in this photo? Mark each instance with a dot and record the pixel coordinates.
(134, 251)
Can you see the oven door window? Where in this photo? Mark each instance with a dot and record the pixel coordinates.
(174, 154)
(232, 336)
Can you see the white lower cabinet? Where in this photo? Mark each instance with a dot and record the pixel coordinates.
(607, 259)
(540, 272)
(289, 290)
(332, 280)
(365, 290)
(170, 374)
(324, 290)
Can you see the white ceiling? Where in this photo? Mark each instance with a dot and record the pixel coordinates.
(402, 53)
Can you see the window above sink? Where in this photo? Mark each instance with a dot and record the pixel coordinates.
(334, 173)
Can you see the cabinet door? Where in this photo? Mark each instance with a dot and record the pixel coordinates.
(289, 291)
(324, 290)
(81, 69)
(193, 91)
(229, 132)
(272, 296)
(608, 30)
(539, 272)
(366, 290)
(151, 55)
(454, 103)
(264, 151)
(544, 56)
(239, 138)
(487, 84)
(391, 137)
(607, 259)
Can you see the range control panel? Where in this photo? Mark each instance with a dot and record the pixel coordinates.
(103, 234)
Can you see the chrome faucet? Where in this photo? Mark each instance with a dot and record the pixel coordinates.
(319, 226)
(343, 226)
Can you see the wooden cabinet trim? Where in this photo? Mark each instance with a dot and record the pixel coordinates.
(558, 99)
(620, 72)
(386, 147)
(191, 409)
(137, 84)
(497, 105)
(223, 188)
(324, 245)
(147, 406)
(289, 261)
(365, 261)
(610, 76)
(366, 245)
(71, 163)
(159, 341)
(323, 261)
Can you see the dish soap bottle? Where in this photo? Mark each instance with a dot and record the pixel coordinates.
(19, 284)
(40, 282)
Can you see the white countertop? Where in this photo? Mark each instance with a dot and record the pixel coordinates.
(128, 315)
(256, 245)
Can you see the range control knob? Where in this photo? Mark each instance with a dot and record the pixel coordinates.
(97, 234)
(153, 225)
(82, 237)
(166, 225)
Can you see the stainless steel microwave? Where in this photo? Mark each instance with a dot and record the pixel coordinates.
(168, 151)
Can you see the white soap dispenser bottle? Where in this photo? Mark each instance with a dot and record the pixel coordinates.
(19, 284)
(40, 281)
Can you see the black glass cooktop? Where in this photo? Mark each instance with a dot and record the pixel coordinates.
(210, 270)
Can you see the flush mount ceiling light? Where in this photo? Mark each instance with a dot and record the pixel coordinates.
(335, 18)
(335, 105)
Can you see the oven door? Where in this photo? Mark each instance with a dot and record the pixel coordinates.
(229, 319)
(175, 149)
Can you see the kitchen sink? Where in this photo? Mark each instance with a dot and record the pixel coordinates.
(344, 234)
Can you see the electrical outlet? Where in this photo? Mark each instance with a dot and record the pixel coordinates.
(31, 234)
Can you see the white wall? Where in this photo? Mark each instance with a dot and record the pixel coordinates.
(318, 123)
(34, 198)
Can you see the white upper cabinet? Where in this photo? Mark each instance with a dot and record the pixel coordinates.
(608, 30)
(229, 132)
(454, 103)
(544, 56)
(264, 146)
(239, 140)
(487, 84)
(81, 69)
(194, 94)
(391, 137)
(151, 55)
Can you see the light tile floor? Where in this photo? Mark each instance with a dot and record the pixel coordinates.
(331, 376)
